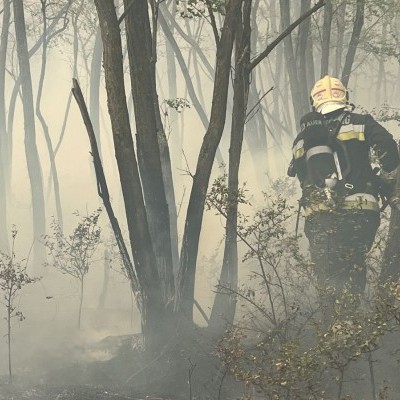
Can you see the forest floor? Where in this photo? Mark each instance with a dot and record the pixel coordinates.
(60, 364)
(121, 371)
(190, 371)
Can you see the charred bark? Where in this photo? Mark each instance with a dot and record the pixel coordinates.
(148, 131)
(154, 313)
(224, 307)
(194, 216)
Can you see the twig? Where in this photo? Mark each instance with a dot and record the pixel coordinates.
(212, 21)
(190, 373)
(258, 102)
(372, 374)
(285, 33)
(196, 303)
(125, 13)
(222, 381)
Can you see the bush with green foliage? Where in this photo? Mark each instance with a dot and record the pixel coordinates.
(72, 254)
(13, 278)
(293, 339)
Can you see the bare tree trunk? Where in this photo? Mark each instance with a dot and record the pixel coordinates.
(326, 38)
(354, 40)
(291, 64)
(391, 256)
(255, 133)
(310, 64)
(106, 280)
(32, 156)
(81, 286)
(154, 315)
(175, 139)
(304, 33)
(95, 76)
(143, 80)
(381, 81)
(340, 23)
(5, 142)
(51, 32)
(188, 79)
(224, 307)
(277, 76)
(5, 159)
(53, 166)
(9, 308)
(194, 216)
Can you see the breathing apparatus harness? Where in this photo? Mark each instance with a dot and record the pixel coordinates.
(336, 184)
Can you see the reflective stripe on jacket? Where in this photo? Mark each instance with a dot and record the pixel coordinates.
(352, 142)
(357, 201)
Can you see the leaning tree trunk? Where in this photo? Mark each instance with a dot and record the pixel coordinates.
(194, 215)
(142, 71)
(32, 156)
(5, 159)
(95, 76)
(185, 72)
(224, 307)
(154, 315)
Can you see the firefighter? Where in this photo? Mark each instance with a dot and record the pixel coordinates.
(331, 158)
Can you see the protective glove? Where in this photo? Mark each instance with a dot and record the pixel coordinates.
(389, 177)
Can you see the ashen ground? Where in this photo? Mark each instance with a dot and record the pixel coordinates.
(187, 370)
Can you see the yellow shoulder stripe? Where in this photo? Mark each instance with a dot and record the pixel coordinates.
(351, 135)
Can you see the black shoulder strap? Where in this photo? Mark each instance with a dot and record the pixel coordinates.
(335, 132)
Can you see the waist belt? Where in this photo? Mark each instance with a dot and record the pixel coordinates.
(357, 201)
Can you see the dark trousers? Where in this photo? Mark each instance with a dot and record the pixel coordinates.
(339, 242)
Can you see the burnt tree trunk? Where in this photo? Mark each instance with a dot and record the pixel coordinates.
(224, 307)
(142, 71)
(154, 315)
(194, 216)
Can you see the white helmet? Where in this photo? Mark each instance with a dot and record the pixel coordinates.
(329, 94)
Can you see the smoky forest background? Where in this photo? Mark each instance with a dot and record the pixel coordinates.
(147, 226)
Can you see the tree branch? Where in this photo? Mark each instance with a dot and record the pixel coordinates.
(285, 33)
(212, 21)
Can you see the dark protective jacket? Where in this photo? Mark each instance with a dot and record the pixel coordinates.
(349, 137)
